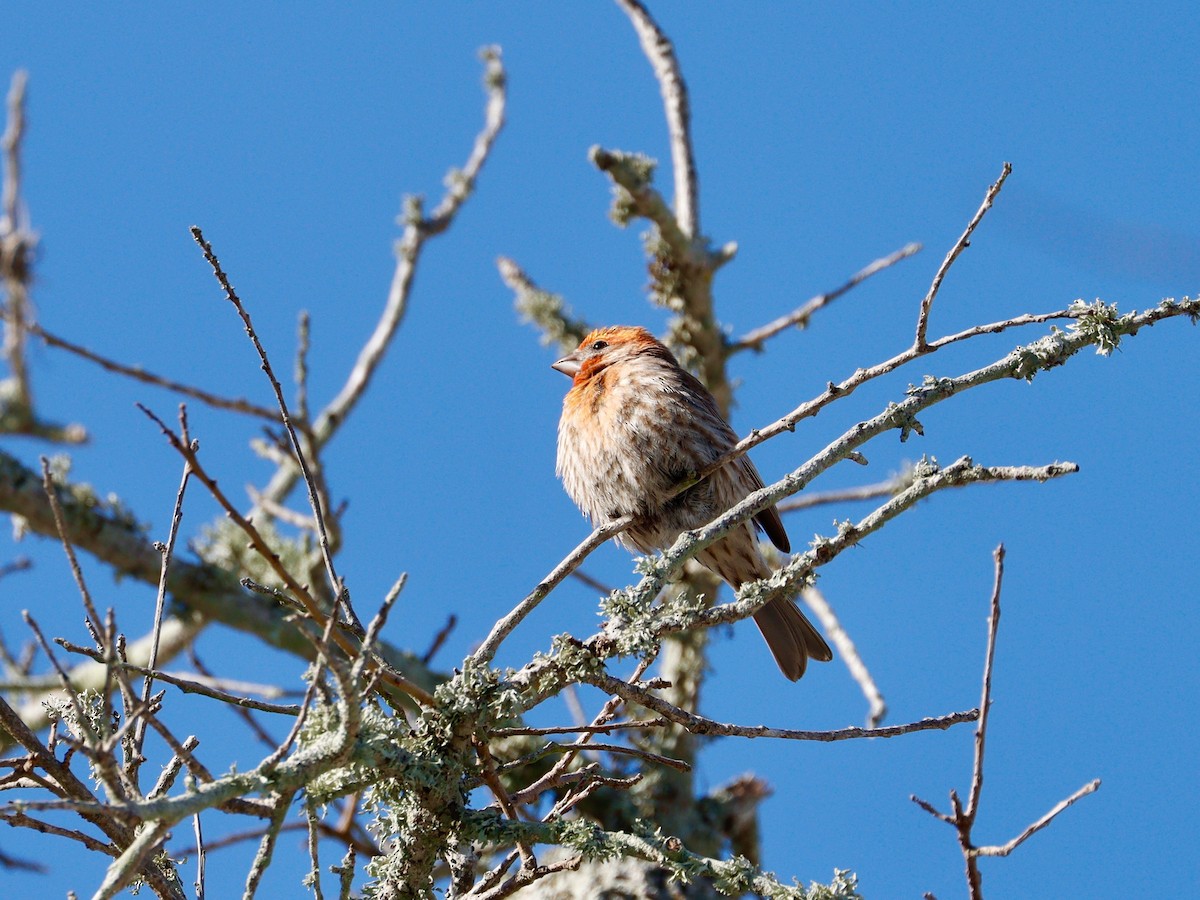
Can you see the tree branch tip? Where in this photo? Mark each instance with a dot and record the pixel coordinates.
(725, 254)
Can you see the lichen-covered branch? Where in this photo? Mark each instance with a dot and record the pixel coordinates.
(548, 312)
(110, 533)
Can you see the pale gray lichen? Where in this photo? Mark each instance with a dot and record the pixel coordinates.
(1101, 324)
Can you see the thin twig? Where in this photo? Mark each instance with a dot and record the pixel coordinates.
(201, 856)
(646, 755)
(20, 564)
(697, 724)
(17, 818)
(440, 638)
(874, 491)
(960, 245)
(82, 720)
(799, 318)
(1005, 849)
(240, 709)
(266, 847)
(312, 823)
(963, 819)
(573, 729)
(504, 627)
(315, 500)
(167, 550)
(233, 404)
(985, 702)
(594, 583)
(264, 549)
(191, 685)
(89, 608)
(848, 653)
(166, 778)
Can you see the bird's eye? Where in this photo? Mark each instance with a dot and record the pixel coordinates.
(599, 345)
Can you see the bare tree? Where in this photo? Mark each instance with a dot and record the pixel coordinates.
(384, 755)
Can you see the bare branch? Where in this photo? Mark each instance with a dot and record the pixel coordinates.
(167, 550)
(800, 317)
(888, 488)
(440, 638)
(17, 244)
(963, 820)
(1005, 849)
(201, 856)
(316, 501)
(962, 244)
(848, 653)
(266, 847)
(504, 627)
(93, 617)
(637, 724)
(697, 724)
(985, 702)
(137, 373)
(10, 144)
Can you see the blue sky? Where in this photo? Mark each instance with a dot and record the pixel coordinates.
(826, 136)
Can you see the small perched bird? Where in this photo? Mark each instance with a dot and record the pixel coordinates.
(634, 425)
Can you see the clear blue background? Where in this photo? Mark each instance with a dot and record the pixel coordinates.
(826, 136)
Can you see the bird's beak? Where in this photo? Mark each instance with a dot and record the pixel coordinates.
(568, 365)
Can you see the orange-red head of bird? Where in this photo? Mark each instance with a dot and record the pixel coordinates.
(605, 346)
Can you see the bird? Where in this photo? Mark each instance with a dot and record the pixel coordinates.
(634, 425)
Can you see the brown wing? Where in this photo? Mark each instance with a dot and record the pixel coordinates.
(723, 438)
(768, 520)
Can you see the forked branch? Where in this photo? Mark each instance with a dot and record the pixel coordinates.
(963, 819)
